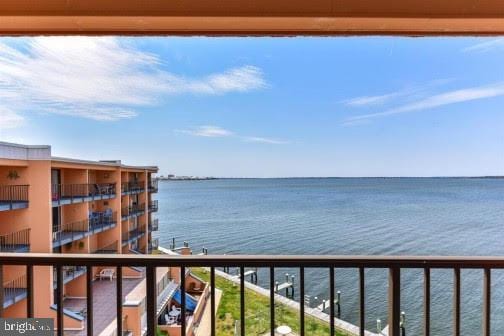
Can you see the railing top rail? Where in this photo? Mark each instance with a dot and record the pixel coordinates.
(308, 261)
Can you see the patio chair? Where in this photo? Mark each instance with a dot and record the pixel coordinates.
(170, 319)
(106, 273)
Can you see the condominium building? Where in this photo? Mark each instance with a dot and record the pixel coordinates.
(59, 205)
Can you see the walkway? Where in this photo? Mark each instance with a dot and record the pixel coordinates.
(204, 327)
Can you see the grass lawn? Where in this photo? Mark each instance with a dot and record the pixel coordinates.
(256, 311)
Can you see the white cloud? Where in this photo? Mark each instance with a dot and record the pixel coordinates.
(103, 78)
(372, 100)
(219, 132)
(447, 98)
(208, 131)
(10, 119)
(486, 46)
(265, 140)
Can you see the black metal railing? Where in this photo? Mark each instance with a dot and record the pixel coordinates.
(153, 244)
(133, 210)
(107, 249)
(14, 290)
(153, 206)
(133, 187)
(16, 241)
(154, 225)
(133, 233)
(69, 232)
(153, 185)
(12, 194)
(83, 191)
(394, 264)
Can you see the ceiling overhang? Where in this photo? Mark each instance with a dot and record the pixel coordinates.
(252, 17)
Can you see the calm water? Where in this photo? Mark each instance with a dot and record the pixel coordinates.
(352, 216)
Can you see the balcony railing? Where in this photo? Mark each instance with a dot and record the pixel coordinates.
(76, 193)
(153, 244)
(132, 187)
(107, 249)
(13, 197)
(394, 264)
(16, 241)
(154, 225)
(154, 185)
(133, 234)
(69, 273)
(153, 206)
(132, 211)
(14, 291)
(97, 222)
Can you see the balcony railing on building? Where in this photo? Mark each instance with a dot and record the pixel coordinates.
(154, 225)
(14, 291)
(107, 249)
(13, 197)
(153, 206)
(97, 222)
(63, 194)
(153, 244)
(69, 273)
(132, 187)
(133, 234)
(16, 241)
(133, 211)
(154, 185)
(394, 265)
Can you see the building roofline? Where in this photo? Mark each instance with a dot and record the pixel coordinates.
(114, 163)
(11, 144)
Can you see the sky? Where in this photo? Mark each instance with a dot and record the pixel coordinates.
(261, 107)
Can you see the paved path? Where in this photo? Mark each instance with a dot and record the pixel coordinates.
(204, 327)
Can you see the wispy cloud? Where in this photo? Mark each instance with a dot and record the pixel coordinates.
(266, 140)
(102, 78)
(219, 132)
(10, 119)
(486, 46)
(438, 100)
(208, 131)
(372, 100)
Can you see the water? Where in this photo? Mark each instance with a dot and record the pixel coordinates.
(407, 216)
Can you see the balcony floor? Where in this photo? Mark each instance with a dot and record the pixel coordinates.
(80, 199)
(104, 304)
(6, 206)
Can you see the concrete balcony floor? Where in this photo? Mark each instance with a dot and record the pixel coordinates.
(104, 304)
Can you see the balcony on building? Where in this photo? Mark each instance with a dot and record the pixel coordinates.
(133, 234)
(69, 273)
(18, 241)
(153, 206)
(132, 211)
(96, 223)
(153, 185)
(153, 244)
(107, 249)
(13, 197)
(132, 187)
(154, 225)
(14, 291)
(63, 194)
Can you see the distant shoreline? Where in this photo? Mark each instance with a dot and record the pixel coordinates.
(328, 177)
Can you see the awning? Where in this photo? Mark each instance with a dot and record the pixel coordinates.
(191, 301)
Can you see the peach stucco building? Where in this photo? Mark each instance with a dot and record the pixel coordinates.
(58, 205)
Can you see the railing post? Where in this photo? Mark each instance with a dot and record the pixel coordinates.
(427, 301)
(272, 301)
(456, 301)
(394, 301)
(119, 300)
(59, 300)
(89, 301)
(183, 299)
(362, 302)
(487, 301)
(2, 290)
(301, 301)
(331, 299)
(212, 301)
(151, 301)
(29, 291)
(242, 301)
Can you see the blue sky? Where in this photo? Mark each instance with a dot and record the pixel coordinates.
(261, 107)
